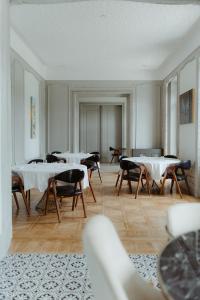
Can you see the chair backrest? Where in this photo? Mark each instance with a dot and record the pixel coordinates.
(183, 218)
(16, 179)
(185, 164)
(88, 163)
(122, 157)
(94, 158)
(70, 176)
(56, 152)
(113, 275)
(128, 165)
(170, 156)
(95, 152)
(52, 158)
(36, 161)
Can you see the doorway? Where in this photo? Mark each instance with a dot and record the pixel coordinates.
(100, 128)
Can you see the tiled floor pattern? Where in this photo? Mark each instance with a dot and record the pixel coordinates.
(57, 276)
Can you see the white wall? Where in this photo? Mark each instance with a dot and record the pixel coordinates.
(58, 117)
(31, 89)
(187, 135)
(142, 99)
(26, 83)
(5, 132)
(148, 116)
(19, 46)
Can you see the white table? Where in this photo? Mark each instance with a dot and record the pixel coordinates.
(73, 157)
(37, 175)
(156, 166)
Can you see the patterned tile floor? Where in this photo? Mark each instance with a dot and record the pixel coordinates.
(57, 276)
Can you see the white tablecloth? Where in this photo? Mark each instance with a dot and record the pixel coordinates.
(37, 175)
(73, 157)
(155, 165)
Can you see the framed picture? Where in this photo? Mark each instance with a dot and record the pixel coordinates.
(186, 101)
(32, 117)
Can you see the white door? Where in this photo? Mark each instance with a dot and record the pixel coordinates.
(111, 129)
(89, 128)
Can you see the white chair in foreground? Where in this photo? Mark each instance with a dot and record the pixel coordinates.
(183, 218)
(112, 273)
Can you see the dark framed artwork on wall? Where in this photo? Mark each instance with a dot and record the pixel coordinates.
(186, 106)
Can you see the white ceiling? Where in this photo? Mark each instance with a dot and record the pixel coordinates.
(95, 39)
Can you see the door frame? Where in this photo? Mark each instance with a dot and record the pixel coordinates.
(122, 101)
(125, 98)
(100, 105)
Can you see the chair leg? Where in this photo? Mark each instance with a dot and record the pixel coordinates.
(83, 202)
(171, 188)
(112, 159)
(142, 183)
(148, 185)
(25, 201)
(118, 177)
(28, 197)
(76, 201)
(92, 191)
(73, 203)
(137, 189)
(130, 187)
(187, 184)
(162, 186)
(16, 200)
(99, 173)
(47, 201)
(57, 207)
(120, 185)
(177, 185)
(82, 198)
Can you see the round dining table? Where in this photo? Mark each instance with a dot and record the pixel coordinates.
(37, 175)
(156, 166)
(179, 267)
(73, 157)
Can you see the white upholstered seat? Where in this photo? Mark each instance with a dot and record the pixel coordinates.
(182, 218)
(112, 273)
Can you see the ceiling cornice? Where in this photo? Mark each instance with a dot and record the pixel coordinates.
(173, 2)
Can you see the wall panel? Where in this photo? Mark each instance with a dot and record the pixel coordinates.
(58, 118)
(148, 116)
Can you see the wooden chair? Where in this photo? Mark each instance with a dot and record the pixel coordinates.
(56, 152)
(176, 173)
(115, 153)
(90, 165)
(52, 159)
(36, 161)
(133, 172)
(18, 187)
(170, 173)
(120, 170)
(96, 159)
(170, 156)
(74, 190)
